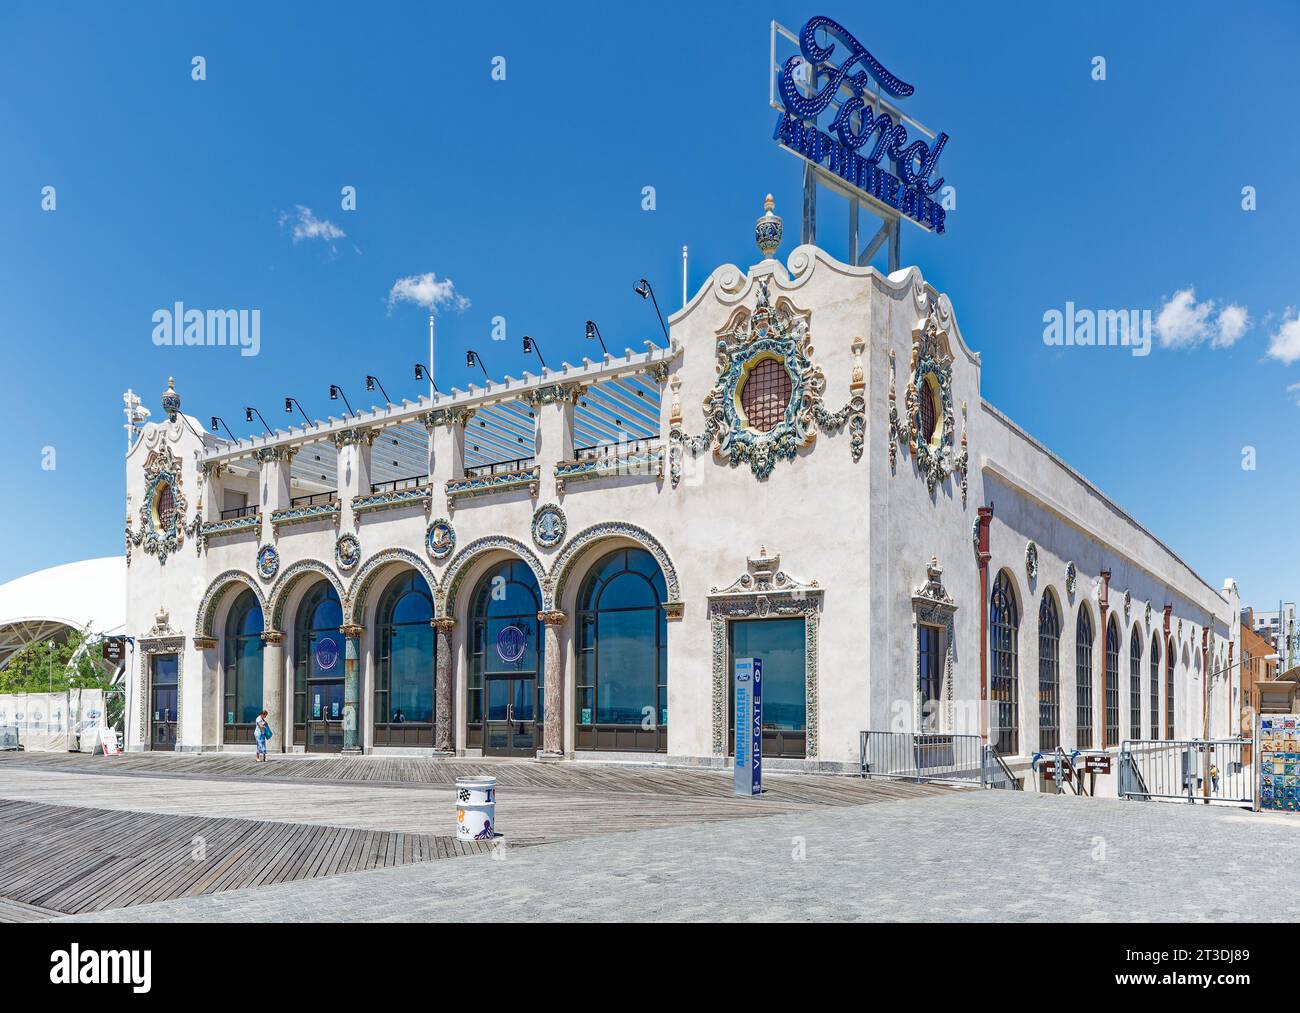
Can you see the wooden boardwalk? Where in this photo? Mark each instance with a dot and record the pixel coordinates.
(578, 777)
(68, 860)
(83, 833)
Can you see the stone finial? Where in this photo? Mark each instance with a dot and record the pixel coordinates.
(768, 230)
(171, 401)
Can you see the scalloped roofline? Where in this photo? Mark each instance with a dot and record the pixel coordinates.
(732, 286)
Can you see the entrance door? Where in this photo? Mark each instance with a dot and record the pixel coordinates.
(164, 699)
(325, 715)
(780, 643)
(511, 719)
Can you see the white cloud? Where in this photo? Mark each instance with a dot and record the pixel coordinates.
(1284, 343)
(1234, 321)
(428, 291)
(1185, 323)
(307, 226)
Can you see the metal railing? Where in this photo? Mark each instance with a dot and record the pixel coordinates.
(398, 484)
(921, 756)
(1070, 775)
(944, 757)
(500, 467)
(996, 772)
(620, 448)
(243, 511)
(1191, 770)
(315, 499)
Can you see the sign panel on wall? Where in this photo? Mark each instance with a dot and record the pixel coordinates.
(1279, 763)
(748, 770)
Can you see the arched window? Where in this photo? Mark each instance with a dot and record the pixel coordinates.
(622, 678)
(1111, 692)
(1169, 688)
(404, 672)
(1155, 686)
(243, 668)
(1083, 639)
(504, 691)
(318, 670)
(1135, 685)
(1004, 627)
(1049, 674)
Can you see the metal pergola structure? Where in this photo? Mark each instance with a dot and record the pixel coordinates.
(619, 404)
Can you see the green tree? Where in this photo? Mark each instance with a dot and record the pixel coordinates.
(29, 671)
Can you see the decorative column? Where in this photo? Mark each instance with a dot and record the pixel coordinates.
(273, 687)
(443, 707)
(553, 718)
(210, 693)
(351, 688)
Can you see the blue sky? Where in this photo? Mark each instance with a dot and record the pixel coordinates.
(526, 193)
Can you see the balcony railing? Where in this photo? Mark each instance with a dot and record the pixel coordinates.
(619, 449)
(243, 511)
(315, 499)
(398, 484)
(500, 467)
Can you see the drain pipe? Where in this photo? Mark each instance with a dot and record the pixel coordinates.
(983, 554)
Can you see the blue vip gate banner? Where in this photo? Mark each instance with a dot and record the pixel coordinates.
(748, 771)
(843, 147)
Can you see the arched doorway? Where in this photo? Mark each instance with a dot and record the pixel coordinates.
(318, 671)
(504, 690)
(242, 676)
(404, 670)
(621, 684)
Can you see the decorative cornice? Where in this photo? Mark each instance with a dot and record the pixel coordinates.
(352, 631)
(552, 617)
(647, 462)
(272, 637)
(299, 515)
(485, 485)
(421, 495)
(204, 643)
(233, 526)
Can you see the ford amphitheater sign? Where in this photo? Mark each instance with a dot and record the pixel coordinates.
(865, 141)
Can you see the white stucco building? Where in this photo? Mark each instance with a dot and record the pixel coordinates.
(567, 563)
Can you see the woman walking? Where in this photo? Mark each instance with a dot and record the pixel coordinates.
(262, 732)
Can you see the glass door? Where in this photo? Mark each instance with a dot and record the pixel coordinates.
(164, 693)
(325, 715)
(511, 718)
(780, 643)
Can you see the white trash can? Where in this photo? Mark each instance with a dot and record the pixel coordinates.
(476, 808)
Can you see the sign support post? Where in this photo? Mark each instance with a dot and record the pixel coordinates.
(747, 775)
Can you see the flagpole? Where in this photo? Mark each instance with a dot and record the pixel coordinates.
(431, 357)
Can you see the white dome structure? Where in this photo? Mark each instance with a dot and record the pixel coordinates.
(87, 596)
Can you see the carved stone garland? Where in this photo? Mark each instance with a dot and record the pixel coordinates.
(765, 590)
(932, 605)
(162, 467)
(931, 358)
(781, 333)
